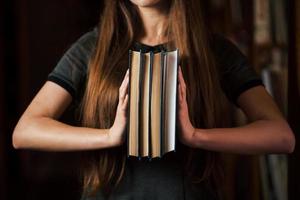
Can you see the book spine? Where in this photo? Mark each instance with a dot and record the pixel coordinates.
(162, 103)
(176, 94)
(150, 108)
(141, 72)
(128, 107)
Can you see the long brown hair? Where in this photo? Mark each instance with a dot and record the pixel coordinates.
(118, 28)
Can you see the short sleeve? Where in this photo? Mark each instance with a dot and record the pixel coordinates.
(70, 71)
(237, 75)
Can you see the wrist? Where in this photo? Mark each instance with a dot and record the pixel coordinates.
(198, 138)
(107, 138)
(110, 139)
(113, 139)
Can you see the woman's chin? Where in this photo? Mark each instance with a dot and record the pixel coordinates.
(146, 3)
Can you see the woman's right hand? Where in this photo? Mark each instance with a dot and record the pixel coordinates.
(117, 131)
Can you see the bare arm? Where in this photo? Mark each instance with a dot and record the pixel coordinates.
(38, 128)
(267, 132)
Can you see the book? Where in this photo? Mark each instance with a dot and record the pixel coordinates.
(262, 26)
(152, 103)
(279, 22)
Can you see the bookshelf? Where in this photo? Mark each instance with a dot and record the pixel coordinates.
(260, 29)
(270, 56)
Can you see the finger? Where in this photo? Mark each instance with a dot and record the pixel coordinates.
(181, 77)
(124, 89)
(125, 102)
(126, 83)
(126, 76)
(183, 85)
(179, 92)
(183, 91)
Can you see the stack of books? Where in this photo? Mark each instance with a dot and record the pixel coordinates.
(152, 103)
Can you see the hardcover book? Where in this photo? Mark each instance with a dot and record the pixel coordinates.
(152, 103)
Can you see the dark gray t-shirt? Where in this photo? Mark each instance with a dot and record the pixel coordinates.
(160, 178)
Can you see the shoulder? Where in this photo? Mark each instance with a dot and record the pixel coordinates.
(71, 70)
(226, 52)
(79, 53)
(236, 73)
(89, 39)
(84, 46)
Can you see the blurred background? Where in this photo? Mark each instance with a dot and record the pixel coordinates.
(35, 34)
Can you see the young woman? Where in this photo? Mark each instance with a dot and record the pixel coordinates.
(93, 75)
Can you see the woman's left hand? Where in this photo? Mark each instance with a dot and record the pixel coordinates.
(187, 131)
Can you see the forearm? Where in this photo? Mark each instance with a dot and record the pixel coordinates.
(262, 136)
(50, 135)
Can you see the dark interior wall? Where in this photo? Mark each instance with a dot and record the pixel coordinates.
(294, 99)
(2, 142)
(34, 36)
(45, 30)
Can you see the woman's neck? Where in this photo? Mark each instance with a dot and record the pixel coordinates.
(154, 21)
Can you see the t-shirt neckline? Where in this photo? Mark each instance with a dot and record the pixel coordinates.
(150, 46)
(146, 47)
